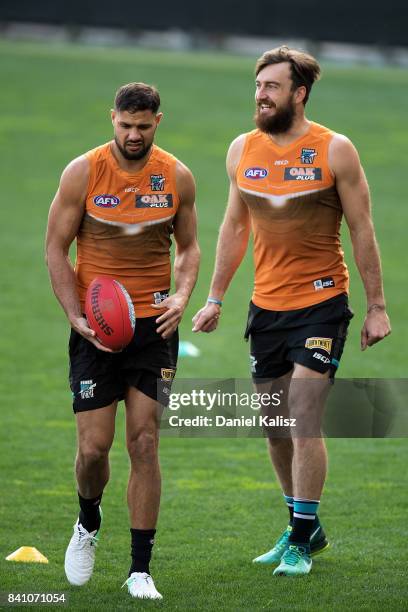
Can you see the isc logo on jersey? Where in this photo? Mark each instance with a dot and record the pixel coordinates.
(303, 174)
(324, 283)
(162, 200)
(106, 201)
(256, 173)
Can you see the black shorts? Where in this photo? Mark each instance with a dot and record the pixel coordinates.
(313, 337)
(98, 378)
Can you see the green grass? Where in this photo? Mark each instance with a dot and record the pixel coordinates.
(221, 506)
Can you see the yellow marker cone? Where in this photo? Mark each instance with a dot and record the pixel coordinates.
(27, 554)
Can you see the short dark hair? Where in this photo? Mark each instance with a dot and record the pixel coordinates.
(135, 97)
(304, 68)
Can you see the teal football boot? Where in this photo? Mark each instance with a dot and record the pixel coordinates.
(318, 544)
(295, 561)
(318, 541)
(275, 554)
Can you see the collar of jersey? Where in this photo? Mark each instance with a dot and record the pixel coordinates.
(115, 165)
(291, 145)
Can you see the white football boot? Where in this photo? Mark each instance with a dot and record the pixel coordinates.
(80, 554)
(141, 586)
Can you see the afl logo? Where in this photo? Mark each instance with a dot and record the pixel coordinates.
(256, 173)
(106, 201)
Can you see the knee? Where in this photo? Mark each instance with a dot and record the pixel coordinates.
(143, 447)
(90, 454)
(308, 447)
(306, 409)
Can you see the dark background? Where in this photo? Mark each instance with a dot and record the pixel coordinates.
(364, 22)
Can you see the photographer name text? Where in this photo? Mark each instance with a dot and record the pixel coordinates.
(222, 421)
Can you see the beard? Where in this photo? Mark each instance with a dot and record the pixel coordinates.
(133, 155)
(280, 122)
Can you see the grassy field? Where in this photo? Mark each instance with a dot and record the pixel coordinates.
(221, 505)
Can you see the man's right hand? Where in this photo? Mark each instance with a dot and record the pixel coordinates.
(80, 325)
(206, 319)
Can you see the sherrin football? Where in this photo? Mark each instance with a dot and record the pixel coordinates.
(110, 312)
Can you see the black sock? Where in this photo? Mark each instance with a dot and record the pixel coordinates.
(289, 503)
(141, 551)
(89, 515)
(304, 517)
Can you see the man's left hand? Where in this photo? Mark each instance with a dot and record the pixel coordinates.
(168, 322)
(376, 327)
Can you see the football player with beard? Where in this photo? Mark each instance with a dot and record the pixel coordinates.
(291, 181)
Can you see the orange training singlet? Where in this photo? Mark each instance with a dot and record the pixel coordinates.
(296, 215)
(126, 228)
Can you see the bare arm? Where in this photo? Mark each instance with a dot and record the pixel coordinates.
(64, 219)
(232, 243)
(187, 256)
(354, 194)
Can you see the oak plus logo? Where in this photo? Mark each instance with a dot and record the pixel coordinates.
(160, 200)
(295, 173)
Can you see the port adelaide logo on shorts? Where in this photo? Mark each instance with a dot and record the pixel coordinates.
(162, 200)
(157, 182)
(87, 389)
(256, 173)
(106, 201)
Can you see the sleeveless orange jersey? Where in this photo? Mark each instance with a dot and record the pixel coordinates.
(126, 228)
(296, 215)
